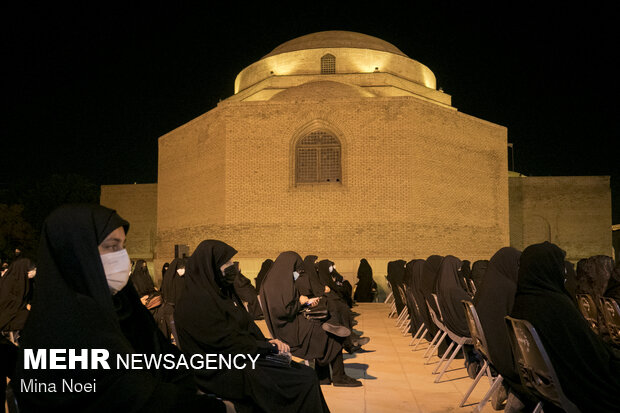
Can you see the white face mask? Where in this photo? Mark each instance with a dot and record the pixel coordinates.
(331, 268)
(181, 271)
(117, 266)
(295, 275)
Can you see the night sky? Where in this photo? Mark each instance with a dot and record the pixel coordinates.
(89, 89)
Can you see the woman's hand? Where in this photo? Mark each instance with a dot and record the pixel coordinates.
(143, 299)
(282, 346)
(313, 302)
(303, 299)
(327, 289)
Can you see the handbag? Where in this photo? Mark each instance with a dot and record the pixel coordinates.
(318, 312)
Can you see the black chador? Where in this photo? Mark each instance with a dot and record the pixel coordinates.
(306, 337)
(247, 293)
(15, 290)
(73, 308)
(586, 367)
(366, 288)
(264, 268)
(396, 276)
(212, 319)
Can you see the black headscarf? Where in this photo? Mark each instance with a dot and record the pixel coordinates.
(450, 293)
(396, 276)
(586, 368)
(172, 285)
(478, 270)
(141, 279)
(281, 306)
(264, 268)
(593, 275)
(494, 301)
(73, 309)
(365, 286)
(164, 268)
(14, 295)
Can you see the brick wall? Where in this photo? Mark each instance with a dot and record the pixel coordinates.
(573, 212)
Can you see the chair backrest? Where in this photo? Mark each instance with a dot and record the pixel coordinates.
(535, 368)
(434, 317)
(475, 329)
(472, 287)
(587, 306)
(438, 307)
(611, 313)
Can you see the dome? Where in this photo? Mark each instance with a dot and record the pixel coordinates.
(345, 57)
(321, 90)
(335, 39)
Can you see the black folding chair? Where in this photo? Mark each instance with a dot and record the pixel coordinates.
(611, 314)
(535, 368)
(480, 344)
(587, 306)
(460, 341)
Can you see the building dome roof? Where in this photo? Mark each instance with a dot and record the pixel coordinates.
(335, 39)
(321, 90)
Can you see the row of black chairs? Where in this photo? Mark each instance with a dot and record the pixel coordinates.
(609, 322)
(535, 369)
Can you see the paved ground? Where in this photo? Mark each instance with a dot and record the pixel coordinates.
(395, 377)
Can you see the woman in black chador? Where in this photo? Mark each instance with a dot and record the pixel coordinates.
(172, 287)
(494, 301)
(412, 303)
(586, 367)
(264, 269)
(282, 305)
(366, 289)
(478, 269)
(396, 276)
(247, 293)
(141, 279)
(212, 319)
(15, 292)
(83, 301)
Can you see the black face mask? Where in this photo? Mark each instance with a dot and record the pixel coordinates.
(229, 275)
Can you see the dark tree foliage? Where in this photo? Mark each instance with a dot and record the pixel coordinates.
(35, 200)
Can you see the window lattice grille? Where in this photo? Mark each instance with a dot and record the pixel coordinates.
(328, 64)
(318, 158)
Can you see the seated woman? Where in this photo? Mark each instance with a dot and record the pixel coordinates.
(83, 301)
(282, 305)
(15, 294)
(143, 283)
(587, 369)
(494, 301)
(212, 319)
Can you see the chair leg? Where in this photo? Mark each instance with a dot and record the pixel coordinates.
(474, 384)
(416, 335)
(407, 327)
(443, 358)
(441, 339)
(420, 339)
(432, 343)
(496, 383)
(538, 408)
(400, 317)
(387, 299)
(445, 367)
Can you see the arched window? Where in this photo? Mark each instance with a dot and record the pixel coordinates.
(328, 64)
(317, 158)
